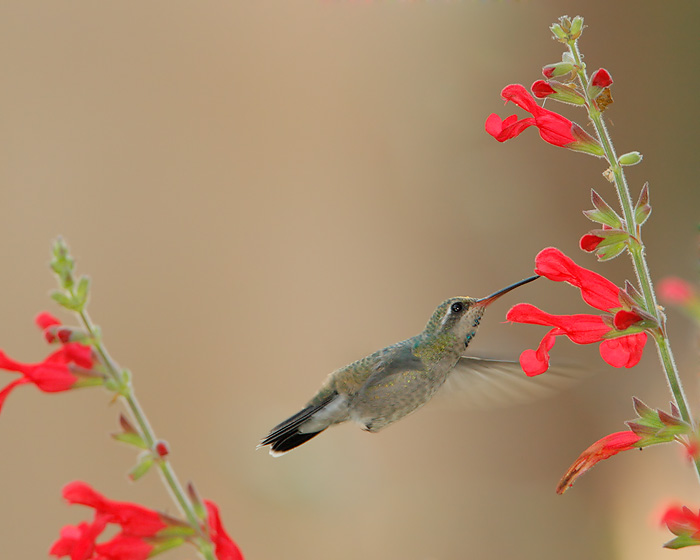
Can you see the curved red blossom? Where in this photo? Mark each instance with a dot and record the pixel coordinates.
(225, 548)
(135, 520)
(553, 127)
(596, 290)
(616, 348)
(53, 374)
(602, 449)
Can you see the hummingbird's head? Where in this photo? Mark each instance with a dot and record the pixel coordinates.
(458, 318)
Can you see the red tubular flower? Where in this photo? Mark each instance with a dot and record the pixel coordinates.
(53, 374)
(553, 127)
(225, 548)
(135, 520)
(683, 523)
(617, 349)
(602, 449)
(140, 528)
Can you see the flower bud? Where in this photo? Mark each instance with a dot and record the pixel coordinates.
(630, 158)
(556, 90)
(558, 32)
(600, 81)
(557, 69)
(601, 78)
(576, 27)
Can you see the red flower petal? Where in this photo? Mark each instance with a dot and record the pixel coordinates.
(624, 351)
(602, 449)
(78, 542)
(135, 520)
(596, 290)
(625, 319)
(535, 362)
(225, 548)
(507, 129)
(589, 242)
(581, 328)
(124, 547)
(44, 320)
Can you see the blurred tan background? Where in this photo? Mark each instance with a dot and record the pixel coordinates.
(265, 191)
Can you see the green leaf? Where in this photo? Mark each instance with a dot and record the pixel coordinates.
(65, 300)
(142, 467)
(131, 439)
(82, 291)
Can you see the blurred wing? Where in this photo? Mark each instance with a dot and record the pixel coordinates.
(486, 383)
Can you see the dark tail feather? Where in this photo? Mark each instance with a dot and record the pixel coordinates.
(283, 444)
(286, 435)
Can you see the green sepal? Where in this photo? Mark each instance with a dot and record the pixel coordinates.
(164, 545)
(131, 439)
(656, 426)
(609, 252)
(180, 530)
(603, 213)
(642, 209)
(681, 541)
(199, 508)
(142, 467)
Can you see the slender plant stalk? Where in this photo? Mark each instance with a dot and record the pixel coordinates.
(166, 470)
(636, 248)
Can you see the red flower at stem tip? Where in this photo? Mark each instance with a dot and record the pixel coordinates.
(602, 449)
(52, 375)
(619, 347)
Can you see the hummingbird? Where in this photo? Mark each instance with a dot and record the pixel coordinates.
(385, 386)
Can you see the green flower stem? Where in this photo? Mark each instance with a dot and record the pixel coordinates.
(636, 248)
(166, 470)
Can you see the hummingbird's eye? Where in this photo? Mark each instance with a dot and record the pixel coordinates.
(457, 307)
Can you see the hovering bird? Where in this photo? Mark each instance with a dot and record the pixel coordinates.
(385, 386)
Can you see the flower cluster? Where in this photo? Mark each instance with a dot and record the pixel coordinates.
(142, 532)
(619, 330)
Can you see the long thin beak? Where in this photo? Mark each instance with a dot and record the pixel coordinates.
(493, 297)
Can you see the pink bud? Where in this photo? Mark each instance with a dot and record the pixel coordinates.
(162, 448)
